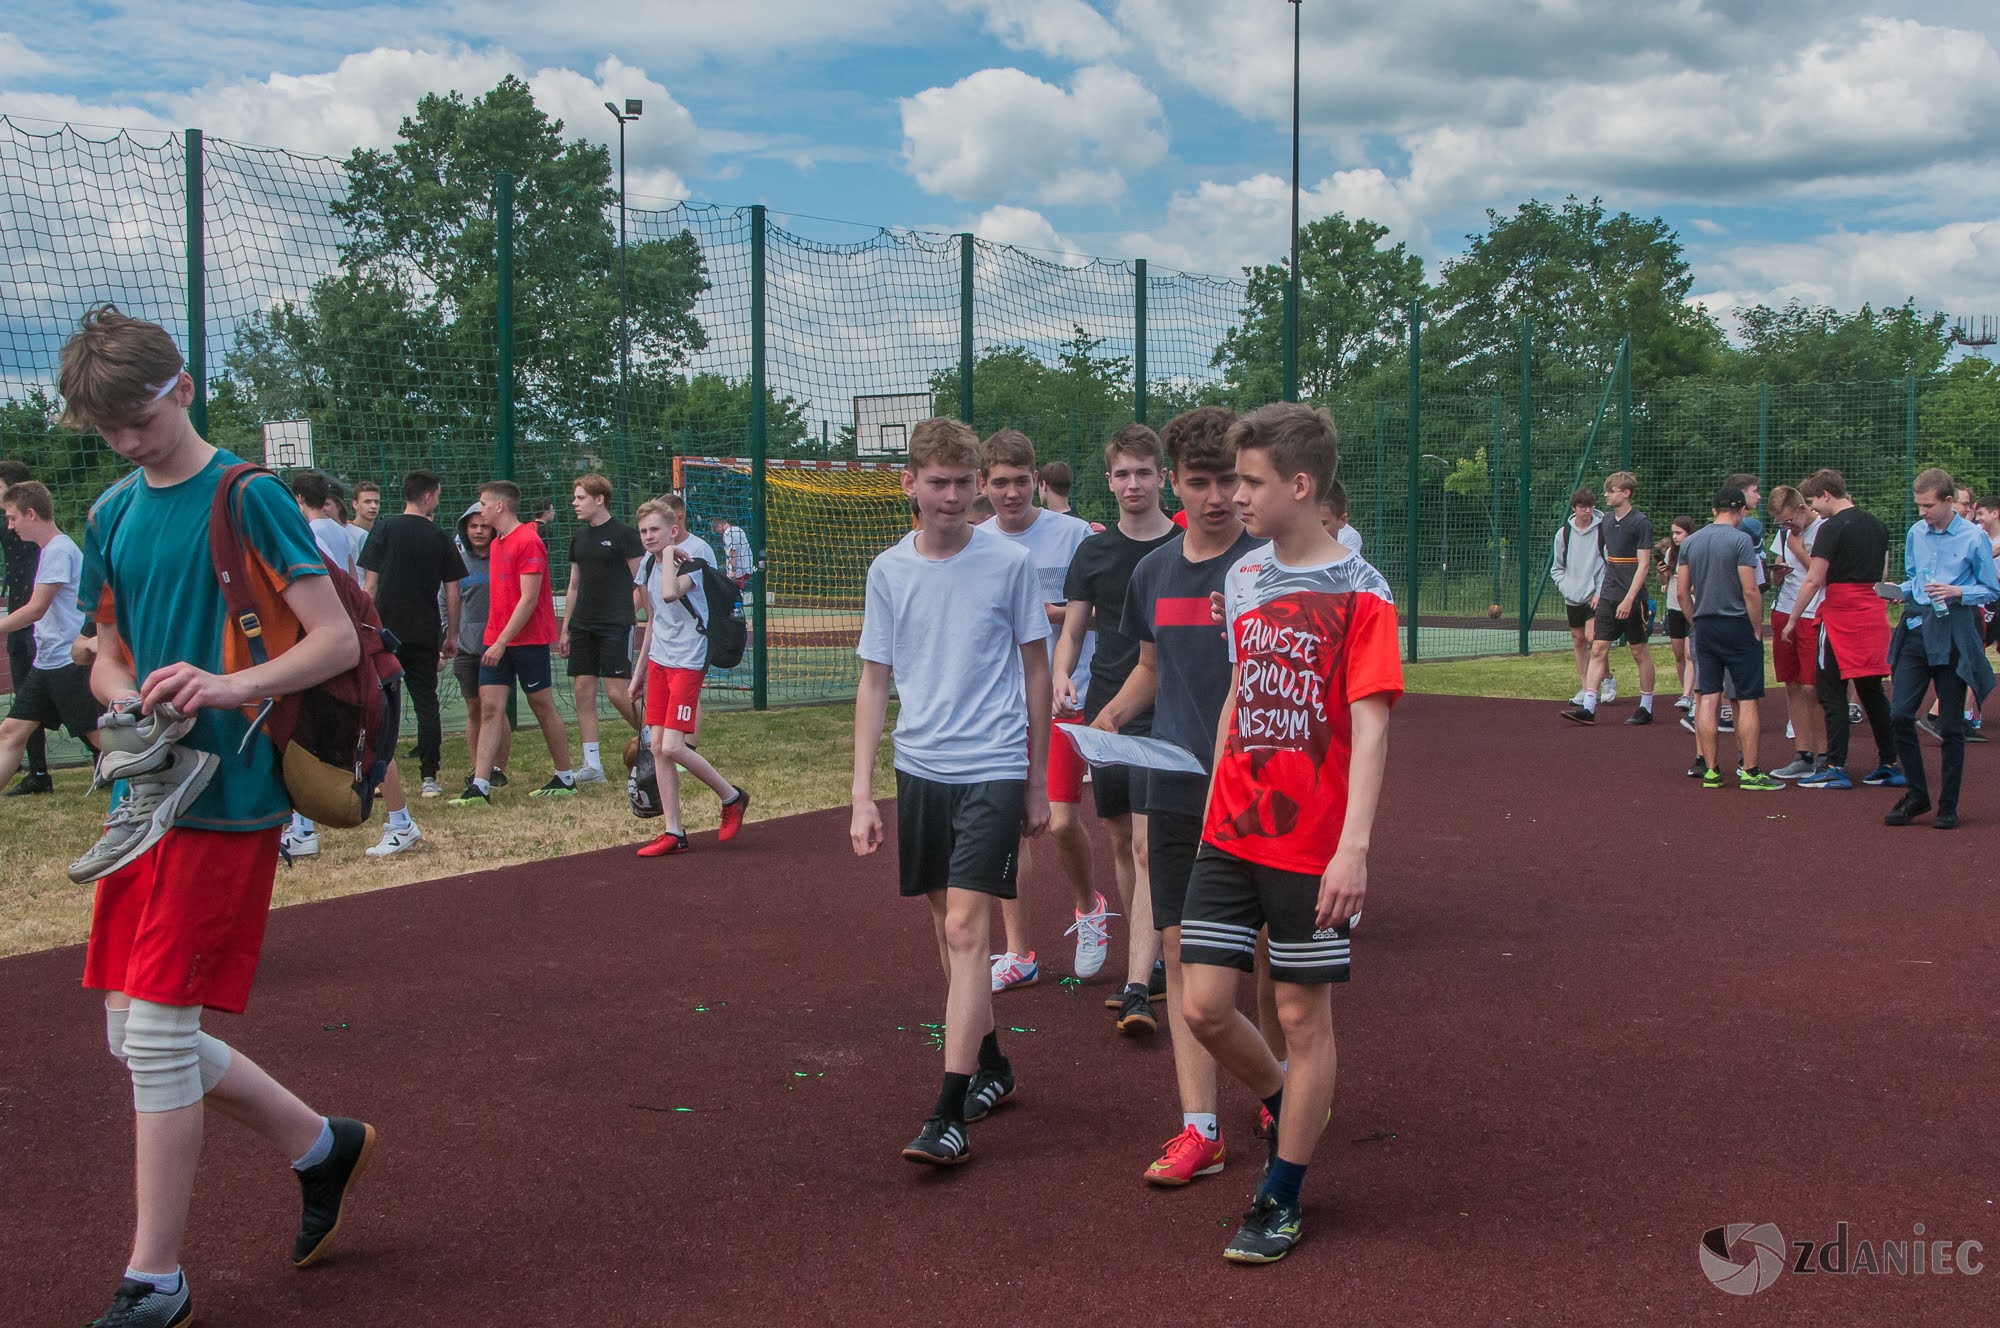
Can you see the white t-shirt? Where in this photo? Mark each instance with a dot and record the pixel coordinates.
(61, 566)
(333, 542)
(952, 630)
(356, 537)
(676, 641)
(1348, 536)
(1795, 579)
(736, 548)
(1051, 541)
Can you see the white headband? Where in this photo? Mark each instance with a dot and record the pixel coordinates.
(160, 393)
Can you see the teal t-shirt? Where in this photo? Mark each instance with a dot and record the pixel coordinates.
(145, 552)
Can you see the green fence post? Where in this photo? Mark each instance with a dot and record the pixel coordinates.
(503, 244)
(965, 261)
(1525, 515)
(1139, 341)
(1625, 406)
(1410, 529)
(1763, 430)
(197, 286)
(1381, 465)
(1910, 449)
(760, 662)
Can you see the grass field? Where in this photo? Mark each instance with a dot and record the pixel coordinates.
(793, 760)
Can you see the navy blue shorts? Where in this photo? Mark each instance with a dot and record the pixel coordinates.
(1728, 646)
(527, 665)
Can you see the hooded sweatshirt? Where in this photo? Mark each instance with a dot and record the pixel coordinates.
(472, 591)
(1576, 562)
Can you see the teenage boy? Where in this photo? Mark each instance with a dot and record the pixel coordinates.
(53, 691)
(319, 503)
(188, 857)
(1183, 673)
(1793, 658)
(404, 565)
(1948, 576)
(1576, 565)
(954, 615)
(19, 558)
(1007, 481)
(1300, 747)
(520, 628)
(1626, 536)
(467, 629)
(598, 615)
(1718, 581)
(1095, 588)
(1849, 556)
(741, 563)
(676, 654)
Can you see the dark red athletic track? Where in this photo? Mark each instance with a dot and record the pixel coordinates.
(1595, 1012)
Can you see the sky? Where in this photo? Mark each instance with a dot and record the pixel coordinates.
(1828, 151)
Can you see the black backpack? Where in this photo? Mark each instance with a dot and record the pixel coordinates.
(725, 631)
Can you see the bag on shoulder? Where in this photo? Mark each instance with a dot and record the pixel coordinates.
(335, 739)
(724, 631)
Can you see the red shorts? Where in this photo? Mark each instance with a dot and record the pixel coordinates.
(1797, 660)
(673, 697)
(185, 923)
(1065, 766)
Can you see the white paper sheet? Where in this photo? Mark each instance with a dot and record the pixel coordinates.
(1101, 748)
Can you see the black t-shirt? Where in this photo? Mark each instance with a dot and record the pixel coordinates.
(411, 558)
(1168, 605)
(604, 577)
(1100, 572)
(1625, 538)
(20, 557)
(1854, 545)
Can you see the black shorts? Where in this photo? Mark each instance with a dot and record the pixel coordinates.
(1630, 629)
(1171, 843)
(958, 836)
(465, 668)
(527, 665)
(1229, 899)
(600, 652)
(1728, 647)
(1677, 625)
(1118, 790)
(56, 698)
(1579, 614)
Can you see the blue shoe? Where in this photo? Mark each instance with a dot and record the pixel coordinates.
(1885, 776)
(1832, 777)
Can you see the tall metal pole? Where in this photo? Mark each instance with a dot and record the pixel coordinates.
(1763, 430)
(197, 286)
(1292, 275)
(966, 257)
(1525, 515)
(1411, 530)
(503, 415)
(1625, 408)
(624, 322)
(760, 579)
(1139, 340)
(1910, 448)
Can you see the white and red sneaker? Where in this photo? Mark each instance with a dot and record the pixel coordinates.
(1188, 1154)
(1093, 938)
(1013, 970)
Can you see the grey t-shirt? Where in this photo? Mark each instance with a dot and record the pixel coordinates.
(1712, 555)
(61, 566)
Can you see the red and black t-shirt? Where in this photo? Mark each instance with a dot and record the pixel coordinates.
(1308, 642)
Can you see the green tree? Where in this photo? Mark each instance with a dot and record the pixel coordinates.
(1353, 296)
(76, 466)
(1803, 343)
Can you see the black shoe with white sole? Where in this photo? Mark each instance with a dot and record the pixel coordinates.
(941, 1143)
(988, 1089)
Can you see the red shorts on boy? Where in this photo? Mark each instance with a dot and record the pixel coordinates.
(673, 697)
(1066, 767)
(1796, 660)
(185, 923)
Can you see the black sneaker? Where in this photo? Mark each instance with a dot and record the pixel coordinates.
(499, 779)
(1946, 819)
(1580, 715)
(1929, 728)
(1135, 1011)
(141, 1305)
(1156, 985)
(1908, 809)
(1640, 716)
(41, 783)
(988, 1089)
(472, 797)
(1699, 769)
(1269, 1231)
(941, 1143)
(325, 1187)
(555, 788)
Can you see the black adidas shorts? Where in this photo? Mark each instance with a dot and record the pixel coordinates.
(56, 698)
(1229, 899)
(1171, 842)
(958, 836)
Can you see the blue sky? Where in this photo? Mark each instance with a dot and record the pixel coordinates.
(1813, 149)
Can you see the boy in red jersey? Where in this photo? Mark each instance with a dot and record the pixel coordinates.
(1298, 770)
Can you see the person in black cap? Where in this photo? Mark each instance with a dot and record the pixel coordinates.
(1718, 582)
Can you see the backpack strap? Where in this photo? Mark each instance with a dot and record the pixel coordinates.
(276, 715)
(695, 565)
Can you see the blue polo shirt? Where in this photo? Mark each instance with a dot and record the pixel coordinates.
(1958, 555)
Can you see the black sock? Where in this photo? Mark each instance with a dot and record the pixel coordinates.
(990, 1057)
(951, 1098)
(1274, 1102)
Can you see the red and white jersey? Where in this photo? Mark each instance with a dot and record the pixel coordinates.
(1308, 642)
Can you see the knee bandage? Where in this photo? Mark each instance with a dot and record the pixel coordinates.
(173, 1063)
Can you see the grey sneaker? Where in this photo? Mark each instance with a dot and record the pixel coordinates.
(131, 745)
(1798, 769)
(589, 774)
(139, 1304)
(432, 789)
(1930, 728)
(152, 801)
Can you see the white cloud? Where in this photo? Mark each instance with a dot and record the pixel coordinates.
(1220, 228)
(1955, 267)
(1061, 29)
(1024, 228)
(1002, 133)
(16, 59)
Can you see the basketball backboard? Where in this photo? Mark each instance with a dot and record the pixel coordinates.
(882, 423)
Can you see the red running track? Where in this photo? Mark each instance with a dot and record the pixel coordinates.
(1595, 1011)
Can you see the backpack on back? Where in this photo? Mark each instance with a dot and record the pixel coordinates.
(334, 739)
(725, 631)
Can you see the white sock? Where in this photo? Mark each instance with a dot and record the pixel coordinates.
(566, 776)
(1589, 699)
(400, 819)
(590, 757)
(1203, 1121)
(321, 1150)
(482, 785)
(1645, 700)
(166, 1284)
(1285, 1065)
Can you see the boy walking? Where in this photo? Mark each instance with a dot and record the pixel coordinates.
(598, 615)
(1795, 657)
(404, 564)
(1298, 771)
(1626, 535)
(54, 691)
(676, 654)
(1576, 565)
(184, 869)
(1718, 581)
(520, 628)
(17, 564)
(956, 618)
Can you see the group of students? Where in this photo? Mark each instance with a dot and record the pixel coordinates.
(1252, 639)
(1829, 627)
